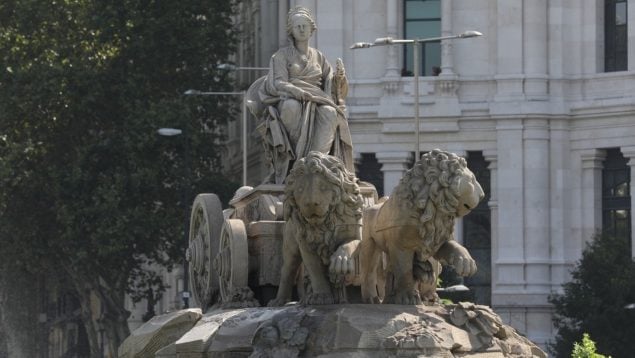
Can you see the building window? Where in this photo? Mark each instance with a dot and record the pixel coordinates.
(477, 237)
(616, 196)
(422, 20)
(369, 170)
(615, 35)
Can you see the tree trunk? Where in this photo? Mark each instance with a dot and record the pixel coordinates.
(89, 318)
(114, 317)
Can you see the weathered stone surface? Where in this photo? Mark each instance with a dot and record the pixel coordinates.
(159, 332)
(197, 339)
(463, 330)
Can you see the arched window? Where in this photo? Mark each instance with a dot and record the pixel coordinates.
(422, 19)
(615, 35)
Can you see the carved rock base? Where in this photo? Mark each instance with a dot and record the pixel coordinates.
(462, 330)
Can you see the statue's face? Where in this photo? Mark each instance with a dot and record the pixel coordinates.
(314, 196)
(301, 29)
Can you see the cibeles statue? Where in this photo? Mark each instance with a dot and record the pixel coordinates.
(315, 226)
(301, 102)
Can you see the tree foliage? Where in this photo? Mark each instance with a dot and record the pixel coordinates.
(594, 302)
(87, 186)
(585, 349)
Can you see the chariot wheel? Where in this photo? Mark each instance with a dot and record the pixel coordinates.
(232, 262)
(206, 223)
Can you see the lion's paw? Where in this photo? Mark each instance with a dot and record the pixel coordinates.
(405, 298)
(276, 302)
(463, 264)
(318, 299)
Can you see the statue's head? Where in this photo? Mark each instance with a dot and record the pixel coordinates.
(300, 23)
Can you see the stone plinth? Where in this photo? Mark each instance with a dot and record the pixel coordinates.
(158, 333)
(463, 330)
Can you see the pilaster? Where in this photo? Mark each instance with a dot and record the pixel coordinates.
(509, 54)
(393, 165)
(536, 217)
(561, 187)
(508, 259)
(535, 49)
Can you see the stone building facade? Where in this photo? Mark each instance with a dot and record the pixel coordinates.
(542, 106)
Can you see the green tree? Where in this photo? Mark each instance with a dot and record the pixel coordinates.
(595, 300)
(585, 349)
(87, 187)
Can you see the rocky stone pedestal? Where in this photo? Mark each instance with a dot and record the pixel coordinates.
(354, 330)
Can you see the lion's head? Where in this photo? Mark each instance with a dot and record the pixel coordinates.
(320, 194)
(439, 188)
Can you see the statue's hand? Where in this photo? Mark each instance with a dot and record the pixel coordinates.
(299, 94)
(343, 259)
(306, 96)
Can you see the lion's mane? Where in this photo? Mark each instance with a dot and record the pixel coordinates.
(431, 188)
(346, 210)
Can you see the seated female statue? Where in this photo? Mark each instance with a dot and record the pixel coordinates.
(301, 101)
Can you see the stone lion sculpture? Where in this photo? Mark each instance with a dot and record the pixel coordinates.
(415, 227)
(323, 211)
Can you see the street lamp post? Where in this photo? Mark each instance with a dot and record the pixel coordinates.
(416, 43)
(232, 67)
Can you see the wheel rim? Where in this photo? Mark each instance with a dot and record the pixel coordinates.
(232, 263)
(205, 226)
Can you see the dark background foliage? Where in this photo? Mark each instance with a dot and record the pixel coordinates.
(602, 284)
(88, 190)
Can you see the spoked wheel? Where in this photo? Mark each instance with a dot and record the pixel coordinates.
(232, 265)
(206, 223)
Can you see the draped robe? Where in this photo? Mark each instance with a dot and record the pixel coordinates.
(317, 122)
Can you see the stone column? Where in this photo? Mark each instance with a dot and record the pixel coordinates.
(492, 158)
(591, 193)
(592, 34)
(629, 152)
(536, 205)
(508, 260)
(560, 200)
(393, 165)
(392, 61)
(447, 64)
